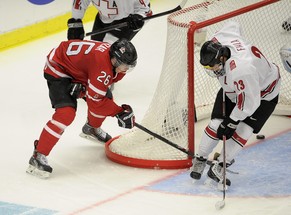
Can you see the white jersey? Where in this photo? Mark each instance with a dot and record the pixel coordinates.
(111, 10)
(249, 76)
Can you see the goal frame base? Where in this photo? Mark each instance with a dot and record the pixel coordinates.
(143, 163)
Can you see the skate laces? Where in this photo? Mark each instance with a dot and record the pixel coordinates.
(42, 158)
(100, 132)
(199, 164)
(217, 170)
(87, 129)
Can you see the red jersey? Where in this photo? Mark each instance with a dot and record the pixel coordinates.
(87, 62)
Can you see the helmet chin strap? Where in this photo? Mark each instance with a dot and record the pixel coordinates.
(221, 70)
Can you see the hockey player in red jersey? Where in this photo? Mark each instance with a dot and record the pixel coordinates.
(82, 69)
(250, 85)
(110, 12)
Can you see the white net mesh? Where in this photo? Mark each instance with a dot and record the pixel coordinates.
(168, 112)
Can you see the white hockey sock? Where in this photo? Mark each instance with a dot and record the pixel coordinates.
(235, 144)
(209, 141)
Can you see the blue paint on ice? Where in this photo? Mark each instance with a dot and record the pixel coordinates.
(264, 171)
(15, 209)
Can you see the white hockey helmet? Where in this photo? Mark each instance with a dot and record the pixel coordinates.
(285, 53)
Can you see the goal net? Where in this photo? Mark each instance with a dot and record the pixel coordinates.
(184, 83)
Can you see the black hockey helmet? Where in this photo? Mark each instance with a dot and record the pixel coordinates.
(210, 53)
(124, 52)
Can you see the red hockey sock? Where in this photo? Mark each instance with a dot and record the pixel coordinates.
(54, 129)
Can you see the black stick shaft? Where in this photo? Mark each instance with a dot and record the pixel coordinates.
(106, 29)
(164, 140)
(124, 24)
(224, 150)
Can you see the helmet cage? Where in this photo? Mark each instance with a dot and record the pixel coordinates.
(122, 66)
(215, 73)
(210, 57)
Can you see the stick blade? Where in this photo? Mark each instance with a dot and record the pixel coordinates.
(219, 205)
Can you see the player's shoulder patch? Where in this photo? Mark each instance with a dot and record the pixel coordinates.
(232, 65)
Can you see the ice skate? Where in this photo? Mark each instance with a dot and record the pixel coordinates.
(94, 133)
(215, 173)
(198, 166)
(38, 165)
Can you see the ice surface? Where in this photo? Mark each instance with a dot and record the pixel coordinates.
(84, 181)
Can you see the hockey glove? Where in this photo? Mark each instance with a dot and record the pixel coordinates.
(75, 29)
(126, 118)
(77, 90)
(135, 22)
(226, 128)
(109, 94)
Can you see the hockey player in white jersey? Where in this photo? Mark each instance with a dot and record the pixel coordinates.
(110, 12)
(251, 85)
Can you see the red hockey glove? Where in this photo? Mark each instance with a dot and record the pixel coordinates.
(226, 128)
(75, 29)
(126, 118)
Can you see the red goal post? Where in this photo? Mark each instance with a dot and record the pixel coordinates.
(183, 82)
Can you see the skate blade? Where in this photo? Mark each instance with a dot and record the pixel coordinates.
(195, 181)
(214, 185)
(38, 173)
(210, 183)
(89, 137)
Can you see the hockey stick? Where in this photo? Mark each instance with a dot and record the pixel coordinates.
(155, 135)
(220, 204)
(124, 24)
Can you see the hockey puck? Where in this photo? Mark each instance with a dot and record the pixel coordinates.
(260, 137)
